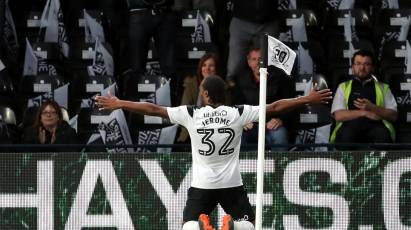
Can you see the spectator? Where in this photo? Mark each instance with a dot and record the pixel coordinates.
(207, 66)
(250, 18)
(50, 128)
(363, 107)
(247, 91)
(149, 19)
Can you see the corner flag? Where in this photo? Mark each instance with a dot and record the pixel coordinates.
(280, 55)
(273, 52)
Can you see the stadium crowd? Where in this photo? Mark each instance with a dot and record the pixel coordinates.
(161, 50)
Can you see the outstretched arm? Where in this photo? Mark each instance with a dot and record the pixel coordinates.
(111, 103)
(285, 105)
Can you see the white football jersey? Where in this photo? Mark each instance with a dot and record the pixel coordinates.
(215, 141)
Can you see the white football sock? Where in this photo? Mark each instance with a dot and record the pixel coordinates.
(191, 225)
(243, 225)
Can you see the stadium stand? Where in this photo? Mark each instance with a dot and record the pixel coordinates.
(326, 44)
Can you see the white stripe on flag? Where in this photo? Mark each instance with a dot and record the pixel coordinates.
(30, 61)
(280, 55)
(93, 30)
(2, 66)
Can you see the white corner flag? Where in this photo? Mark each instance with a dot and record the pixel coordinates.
(280, 55)
(273, 52)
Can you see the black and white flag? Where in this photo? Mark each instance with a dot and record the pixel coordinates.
(60, 95)
(405, 27)
(287, 5)
(30, 61)
(114, 132)
(280, 55)
(114, 129)
(202, 30)
(164, 136)
(93, 30)
(341, 4)
(52, 20)
(9, 33)
(2, 66)
(305, 62)
(350, 33)
(73, 122)
(44, 68)
(299, 31)
(102, 62)
(391, 4)
(346, 4)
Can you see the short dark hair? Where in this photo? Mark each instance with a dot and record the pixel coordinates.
(364, 53)
(216, 88)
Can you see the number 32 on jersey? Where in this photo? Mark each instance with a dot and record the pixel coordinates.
(222, 133)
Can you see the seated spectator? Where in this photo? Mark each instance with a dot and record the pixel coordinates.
(247, 91)
(207, 66)
(50, 128)
(363, 107)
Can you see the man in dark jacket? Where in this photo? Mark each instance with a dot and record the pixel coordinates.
(247, 91)
(250, 18)
(147, 19)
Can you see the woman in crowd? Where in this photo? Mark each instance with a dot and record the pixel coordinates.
(50, 128)
(207, 66)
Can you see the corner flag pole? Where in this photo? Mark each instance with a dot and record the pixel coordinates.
(261, 131)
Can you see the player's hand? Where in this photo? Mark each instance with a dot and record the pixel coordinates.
(319, 96)
(274, 123)
(108, 102)
(248, 126)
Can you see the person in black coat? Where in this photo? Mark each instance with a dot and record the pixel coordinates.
(49, 128)
(247, 91)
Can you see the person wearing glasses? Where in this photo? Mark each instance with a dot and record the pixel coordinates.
(363, 107)
(50, 128)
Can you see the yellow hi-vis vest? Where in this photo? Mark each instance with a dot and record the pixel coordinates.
(346, 87)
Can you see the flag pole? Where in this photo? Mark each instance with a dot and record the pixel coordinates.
(261, 131)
